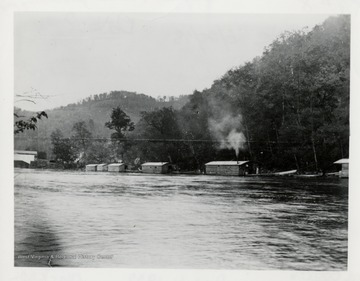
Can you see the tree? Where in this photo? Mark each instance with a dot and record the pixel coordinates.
(62, 147)
(293, 100)
(98, 152)
(160, 127)
(27, 124)
(30, 123)
(81, 137)
(120, 122)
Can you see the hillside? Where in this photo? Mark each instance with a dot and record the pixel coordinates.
(95, 111)
(287, 109)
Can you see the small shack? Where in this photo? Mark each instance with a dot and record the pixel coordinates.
(116, 167)
(91, 167)
(344, 172)
(102, 167)
(155, 167)
(230, 168)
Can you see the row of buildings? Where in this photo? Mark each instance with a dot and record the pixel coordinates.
(230, 168)
(226, 168)
(24, 159)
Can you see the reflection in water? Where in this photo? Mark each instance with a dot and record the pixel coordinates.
(79, 219)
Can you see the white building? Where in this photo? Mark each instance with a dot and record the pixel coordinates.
(344, 173)
(23, 158)
(91, 167)
(155, 167)
(102, 167)
(116, 167)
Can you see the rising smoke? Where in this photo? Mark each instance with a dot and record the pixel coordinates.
(227, 130)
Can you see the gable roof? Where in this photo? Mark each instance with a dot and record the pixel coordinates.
(116, 164)
(155, 163)
(27, 152)
(226, 163)
(342, 161)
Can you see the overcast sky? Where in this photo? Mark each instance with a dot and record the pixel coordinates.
(70, 56)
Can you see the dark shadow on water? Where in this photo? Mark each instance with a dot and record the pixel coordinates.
(35, 243)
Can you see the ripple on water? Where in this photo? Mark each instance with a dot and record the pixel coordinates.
(180, 221)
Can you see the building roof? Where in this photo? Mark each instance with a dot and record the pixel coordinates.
(116, 164)
(91, 165)
(342, 161)
(102, 164)
(226, 163)
(155, 164)
(25, 152)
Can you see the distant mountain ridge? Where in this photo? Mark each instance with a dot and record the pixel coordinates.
(95, 111)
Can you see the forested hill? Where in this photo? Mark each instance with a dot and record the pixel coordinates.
(291, 104)
(95, 111)
(287, 109)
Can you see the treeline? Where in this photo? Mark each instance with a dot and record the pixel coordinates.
(288, 109)
(94, 110)
(130, 100)
(293, 100)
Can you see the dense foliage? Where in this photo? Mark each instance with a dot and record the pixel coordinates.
(291, 104)
(94, 111)
(22, 124)
(287, 109)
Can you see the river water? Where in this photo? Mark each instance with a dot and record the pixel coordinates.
(79, 219)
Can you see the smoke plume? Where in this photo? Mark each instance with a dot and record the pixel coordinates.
(227, 130)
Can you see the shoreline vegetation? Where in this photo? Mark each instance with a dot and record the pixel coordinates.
(287, 110)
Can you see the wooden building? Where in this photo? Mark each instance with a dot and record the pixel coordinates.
(155, 167)
(116, 167)
(102, 167)
(230, 168)
(23, 158)
(91, 167)
(344, 172)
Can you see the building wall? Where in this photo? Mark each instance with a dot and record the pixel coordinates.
(344, 170)
(20, 164)
(91, 168)
(24, 157)
(155, 169)
(224, 170)
(117, 168)
(101, 168)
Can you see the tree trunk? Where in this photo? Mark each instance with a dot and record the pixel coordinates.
(248, 140)
(270, 147)
(283, 108)
(297, 163)
(341, 148)
(313, 132)
(314, 151)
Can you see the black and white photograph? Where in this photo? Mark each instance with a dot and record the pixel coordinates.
(182, 140)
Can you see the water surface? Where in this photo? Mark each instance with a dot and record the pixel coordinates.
(79, 219)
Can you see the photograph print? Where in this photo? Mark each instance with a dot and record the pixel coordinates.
(181, 140)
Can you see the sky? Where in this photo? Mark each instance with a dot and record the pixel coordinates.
(62, 58)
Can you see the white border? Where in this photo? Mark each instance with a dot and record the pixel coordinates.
(8, 7)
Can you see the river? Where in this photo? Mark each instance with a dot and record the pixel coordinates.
(82, 219)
